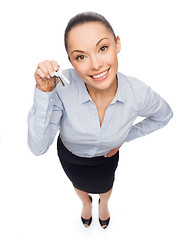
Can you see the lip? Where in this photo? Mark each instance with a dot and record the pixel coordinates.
(101, 78)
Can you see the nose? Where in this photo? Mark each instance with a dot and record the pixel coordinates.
(96, 62)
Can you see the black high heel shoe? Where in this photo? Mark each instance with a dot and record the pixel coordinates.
(104, 222)
(87, 221)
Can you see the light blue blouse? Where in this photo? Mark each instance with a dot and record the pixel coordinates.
(71, 110)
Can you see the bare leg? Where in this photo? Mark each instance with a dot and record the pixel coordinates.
(87, 205)
(103, 206)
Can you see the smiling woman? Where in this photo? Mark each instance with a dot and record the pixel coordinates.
(92, 50)
(94, 113)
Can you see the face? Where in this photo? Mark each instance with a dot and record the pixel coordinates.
(92, 51)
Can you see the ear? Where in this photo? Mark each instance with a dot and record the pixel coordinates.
(118, 44)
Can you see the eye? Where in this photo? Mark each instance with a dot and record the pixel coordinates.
(103, 48)
(80, 57)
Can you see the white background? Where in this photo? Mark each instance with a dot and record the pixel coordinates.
(153, 191)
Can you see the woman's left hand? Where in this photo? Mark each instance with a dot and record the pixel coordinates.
(112, 152)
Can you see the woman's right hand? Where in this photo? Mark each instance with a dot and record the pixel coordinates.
(44, 75)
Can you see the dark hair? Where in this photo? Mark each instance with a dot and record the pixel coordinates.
(84, 18)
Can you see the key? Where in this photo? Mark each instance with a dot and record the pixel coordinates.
(62, 78)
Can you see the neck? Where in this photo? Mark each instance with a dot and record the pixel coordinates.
(99, 95)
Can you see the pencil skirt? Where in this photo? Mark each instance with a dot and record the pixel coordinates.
(92, 175)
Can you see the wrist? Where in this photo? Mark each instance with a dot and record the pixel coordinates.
(44, 90)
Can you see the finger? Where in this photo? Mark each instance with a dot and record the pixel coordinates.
(112, 152)
(43, 69)
(49, 68)
(55, 65)
(109, 154)
(40, 73)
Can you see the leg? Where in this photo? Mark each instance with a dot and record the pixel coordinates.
(103, 206)
(87, 205)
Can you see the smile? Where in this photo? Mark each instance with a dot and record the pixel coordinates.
(100, 75)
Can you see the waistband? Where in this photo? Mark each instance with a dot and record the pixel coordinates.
(67, 156)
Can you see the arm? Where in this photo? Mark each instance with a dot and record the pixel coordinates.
(44, 116)
(43, 121)
(157, 114)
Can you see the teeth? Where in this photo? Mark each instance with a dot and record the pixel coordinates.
(100, 75)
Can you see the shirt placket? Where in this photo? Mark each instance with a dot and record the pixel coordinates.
(99, 130)
(96, 128)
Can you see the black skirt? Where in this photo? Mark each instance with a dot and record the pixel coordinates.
(93, 175)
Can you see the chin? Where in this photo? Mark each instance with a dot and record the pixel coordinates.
(103, 85)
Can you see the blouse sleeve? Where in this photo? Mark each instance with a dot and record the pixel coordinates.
(43, 121)
(157, 114)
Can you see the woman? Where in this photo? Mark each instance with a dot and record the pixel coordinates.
(94, 113)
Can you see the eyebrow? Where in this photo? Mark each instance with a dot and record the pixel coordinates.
(100, 40)
(81, 51)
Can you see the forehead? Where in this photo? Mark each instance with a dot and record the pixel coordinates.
(86, 34)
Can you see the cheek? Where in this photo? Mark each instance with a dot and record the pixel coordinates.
(81, 69)
(111, 59)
